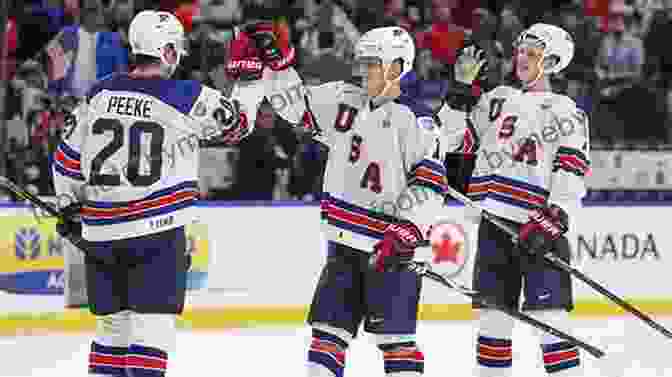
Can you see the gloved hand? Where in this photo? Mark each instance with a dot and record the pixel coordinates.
(69, 225)
(397, 247)
(244, 62)
(471, 64)
(546, 225)
(469, 70)
(272, 44)
(233, 122)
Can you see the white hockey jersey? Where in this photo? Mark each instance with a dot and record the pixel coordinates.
(531, 148)
(130, 154)
(383, 163)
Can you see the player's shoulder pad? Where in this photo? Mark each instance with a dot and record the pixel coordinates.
(179, 94)
(424, 116)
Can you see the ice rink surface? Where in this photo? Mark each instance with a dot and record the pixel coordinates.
(633, 350)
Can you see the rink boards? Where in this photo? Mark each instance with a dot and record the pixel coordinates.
(259, 264)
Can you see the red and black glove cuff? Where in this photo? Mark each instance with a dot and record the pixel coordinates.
(244, 62)
(273, 46)
(546, 225)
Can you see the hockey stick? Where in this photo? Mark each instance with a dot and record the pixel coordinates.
(24, 194)
(561, 264)
(39, 203)
(423, 269)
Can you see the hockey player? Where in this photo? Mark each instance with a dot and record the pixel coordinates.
(531, 155)
(382, 154)
(129, 159)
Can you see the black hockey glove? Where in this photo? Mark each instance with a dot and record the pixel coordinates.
(546, 225)
(69, 225)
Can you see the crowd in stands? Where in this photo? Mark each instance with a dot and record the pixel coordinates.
(621, 74)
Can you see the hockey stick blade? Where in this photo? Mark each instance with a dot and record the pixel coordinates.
(560, 264)
(424, 270)
(619, 301)
(22, 193)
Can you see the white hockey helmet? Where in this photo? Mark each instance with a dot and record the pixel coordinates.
(388, 44)
(556, 43)
(151, 31)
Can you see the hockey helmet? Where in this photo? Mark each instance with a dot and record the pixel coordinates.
(556, 44)
(151, 31)
(387, 45)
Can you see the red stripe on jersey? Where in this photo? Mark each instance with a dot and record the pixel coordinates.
(426, 174)
(517, 193)
(145, 362)
(351, 217)
(134, 208)
(67, 162)
(513, 192)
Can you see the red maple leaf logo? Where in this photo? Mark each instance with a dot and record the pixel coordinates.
(447, 243)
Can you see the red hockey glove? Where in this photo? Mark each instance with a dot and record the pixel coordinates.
(272, 42)
(546, 225)
(397, 247)
(244, 61)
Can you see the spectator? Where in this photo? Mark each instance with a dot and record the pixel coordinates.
(219, 12)
(658, 54)
(510, 27)
(445, 37)
(580, 74)
(8, 58)
(484, 33)
(35, 23)
(264, 158)
(397, 14)
(619, 66)
(621, 55)
(370, 14)
(332, 29)
(84, 53)
(121, 12)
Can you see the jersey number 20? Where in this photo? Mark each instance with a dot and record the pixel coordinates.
(135, 156)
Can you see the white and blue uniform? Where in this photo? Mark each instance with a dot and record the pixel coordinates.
(531, 148)
(378, 159)
(130, 154)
